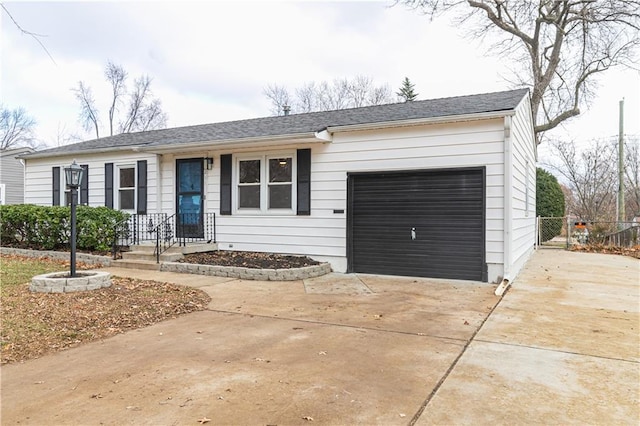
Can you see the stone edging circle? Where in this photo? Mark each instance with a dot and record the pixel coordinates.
(59, 282)
(292, 274)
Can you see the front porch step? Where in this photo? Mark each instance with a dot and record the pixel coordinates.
(136, 264)
(145, 252)
(198, 248)
(150, 256)
(189, 248)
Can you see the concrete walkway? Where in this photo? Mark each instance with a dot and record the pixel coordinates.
(562, 347)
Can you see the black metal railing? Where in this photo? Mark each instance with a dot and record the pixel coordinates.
(121, 237)
(164, 231)
(143, 226)
(184, 228)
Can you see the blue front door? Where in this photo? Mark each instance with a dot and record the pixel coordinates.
(189, 199)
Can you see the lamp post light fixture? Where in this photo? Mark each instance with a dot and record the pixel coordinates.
(73, 175)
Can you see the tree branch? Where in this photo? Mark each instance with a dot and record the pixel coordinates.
(29, 33)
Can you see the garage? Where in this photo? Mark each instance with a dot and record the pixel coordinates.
(428, 223)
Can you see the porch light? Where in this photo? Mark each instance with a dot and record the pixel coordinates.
(208, 162)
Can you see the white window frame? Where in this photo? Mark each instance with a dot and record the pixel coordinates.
(117, 189)
(3, 193)
(264, 183)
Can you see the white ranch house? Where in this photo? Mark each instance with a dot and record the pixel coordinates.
(441, 188)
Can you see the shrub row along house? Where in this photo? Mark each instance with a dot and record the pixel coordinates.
(441, 188)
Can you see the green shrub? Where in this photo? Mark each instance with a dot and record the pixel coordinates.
(49, 227)
(549, 202)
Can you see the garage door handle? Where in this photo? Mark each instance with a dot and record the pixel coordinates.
(413, 233)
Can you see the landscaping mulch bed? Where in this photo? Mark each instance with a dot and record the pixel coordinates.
(244, 259)
(35, 324)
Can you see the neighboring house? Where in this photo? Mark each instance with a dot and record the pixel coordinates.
(12, 175)
(439, 188)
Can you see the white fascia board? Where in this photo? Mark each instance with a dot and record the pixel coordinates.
(259, 141)
(79, 152)
(421, 121)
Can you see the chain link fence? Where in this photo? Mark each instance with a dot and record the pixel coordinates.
(552, 232)
(564, 232)
(619, 234)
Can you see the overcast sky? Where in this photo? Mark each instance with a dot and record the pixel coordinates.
(210, 61)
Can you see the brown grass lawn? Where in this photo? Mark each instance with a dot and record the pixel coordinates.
(35, 324)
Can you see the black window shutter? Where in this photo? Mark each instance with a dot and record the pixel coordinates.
(84, 185)
(142, 187)
(304, 182)
(225, 184)
(108, 185)
(56, 186)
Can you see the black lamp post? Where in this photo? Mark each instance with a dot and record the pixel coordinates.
(73, 175)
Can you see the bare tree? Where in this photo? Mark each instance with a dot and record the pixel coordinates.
(591, 176)
(143, 114)
(334, 96)
(88, 111)
(557, 47)
(380, 95)
(64, 137)
(341, 93)
(35, 36)
(142, 111)
(306, 99)
(116, 76)
(279, 97)
(632, 176)
(16, 128)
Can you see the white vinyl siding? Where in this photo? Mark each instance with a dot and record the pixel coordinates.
(12, 175)
(38, 178)
(524, 187)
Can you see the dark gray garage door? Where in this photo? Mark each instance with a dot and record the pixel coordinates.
(425, 224)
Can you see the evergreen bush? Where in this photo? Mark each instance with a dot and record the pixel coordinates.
(49, 227)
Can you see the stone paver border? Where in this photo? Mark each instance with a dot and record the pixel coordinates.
(292, 274)
(91, 259)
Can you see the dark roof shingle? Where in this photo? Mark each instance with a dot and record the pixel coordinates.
(303, 123)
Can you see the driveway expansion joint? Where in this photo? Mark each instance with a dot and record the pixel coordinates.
(406, 333)
(418, 413)
(541, 348)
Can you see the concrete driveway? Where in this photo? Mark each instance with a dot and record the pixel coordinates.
(562, 346)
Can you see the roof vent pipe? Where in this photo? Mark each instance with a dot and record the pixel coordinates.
(286, 109)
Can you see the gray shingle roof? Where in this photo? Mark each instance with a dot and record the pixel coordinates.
(303, 123)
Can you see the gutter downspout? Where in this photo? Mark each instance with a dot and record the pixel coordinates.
(508, 203)
(24, 182)
(158, 183)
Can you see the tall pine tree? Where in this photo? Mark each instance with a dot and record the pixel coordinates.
(406, 91)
